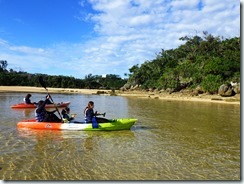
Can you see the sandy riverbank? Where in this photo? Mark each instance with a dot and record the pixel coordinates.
(179, 96)
(29, 89)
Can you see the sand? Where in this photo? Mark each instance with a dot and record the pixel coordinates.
(179, 96)
(29, 89)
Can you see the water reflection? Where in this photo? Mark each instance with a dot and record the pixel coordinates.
(170, 141)
(49, 134)
(26, 113)
(66, 154)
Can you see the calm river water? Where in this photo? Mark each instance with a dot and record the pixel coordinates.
(171, 141)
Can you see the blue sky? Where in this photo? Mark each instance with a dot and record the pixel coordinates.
(79, 37)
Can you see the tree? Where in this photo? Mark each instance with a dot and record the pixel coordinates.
(206, 61)
(3, 65)
(211, 83)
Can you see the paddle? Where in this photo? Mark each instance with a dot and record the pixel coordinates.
(94, 120)
(43, 84)
(100, 114)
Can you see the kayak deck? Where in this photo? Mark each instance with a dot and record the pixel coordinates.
(112, 124)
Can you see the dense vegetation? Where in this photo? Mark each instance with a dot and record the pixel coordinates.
(204, 62)
(13, 78)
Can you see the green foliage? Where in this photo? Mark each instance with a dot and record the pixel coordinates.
(13, 78)
(3, 65)
(206, 61)
(211, 83)
(111, 82)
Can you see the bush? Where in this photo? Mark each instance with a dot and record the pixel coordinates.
(211, 83)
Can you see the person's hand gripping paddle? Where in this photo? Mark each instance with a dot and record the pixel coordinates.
(43, 84)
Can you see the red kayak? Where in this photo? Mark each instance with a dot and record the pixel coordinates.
(25, 106)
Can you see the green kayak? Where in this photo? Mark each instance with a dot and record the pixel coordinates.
(112, 124)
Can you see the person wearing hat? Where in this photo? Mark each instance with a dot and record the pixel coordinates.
(42, 115)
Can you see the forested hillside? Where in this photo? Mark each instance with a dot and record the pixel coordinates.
(205, 62)
(14, 78)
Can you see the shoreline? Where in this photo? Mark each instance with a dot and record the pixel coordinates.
(178, 96)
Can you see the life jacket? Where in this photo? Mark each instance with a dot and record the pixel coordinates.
(27, 101)
(89, 113)
(40, 116)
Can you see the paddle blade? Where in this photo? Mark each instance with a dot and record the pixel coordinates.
(41, 81)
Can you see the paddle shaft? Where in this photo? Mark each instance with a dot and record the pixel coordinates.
(101, 114)
(44, 85)
(54, 105)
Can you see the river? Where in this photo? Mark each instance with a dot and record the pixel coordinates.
(171, 141)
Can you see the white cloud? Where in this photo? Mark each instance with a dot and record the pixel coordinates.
(133, 31)
(128, 32)
(184, 4)
(26, 50)
(3, 42)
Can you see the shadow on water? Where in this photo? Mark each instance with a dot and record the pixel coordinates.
(138, 127)
(26, 113)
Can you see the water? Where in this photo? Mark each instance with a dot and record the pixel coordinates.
(171, 141)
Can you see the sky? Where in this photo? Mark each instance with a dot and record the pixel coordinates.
(80, 37)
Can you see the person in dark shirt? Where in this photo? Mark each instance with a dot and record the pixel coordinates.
(48, 101)
(66, 115)
(89, 114)
(27, 99)
(88, 111)
(42, 115)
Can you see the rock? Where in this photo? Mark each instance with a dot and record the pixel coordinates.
(169, 90)
(151, 89)
(199, 90)
(125, 87)
(101, 92)
(135, 87)
(194, 93)
(236, 87)
(226, 90)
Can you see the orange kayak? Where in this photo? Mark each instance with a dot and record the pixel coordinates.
(25, 106)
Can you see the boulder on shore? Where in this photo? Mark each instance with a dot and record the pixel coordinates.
(226, 90)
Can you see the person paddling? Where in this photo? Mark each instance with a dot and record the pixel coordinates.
(42, 115)
(27, 99)
(89, 114)
(48, 100)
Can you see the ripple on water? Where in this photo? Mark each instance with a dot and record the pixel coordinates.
(170, 141)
